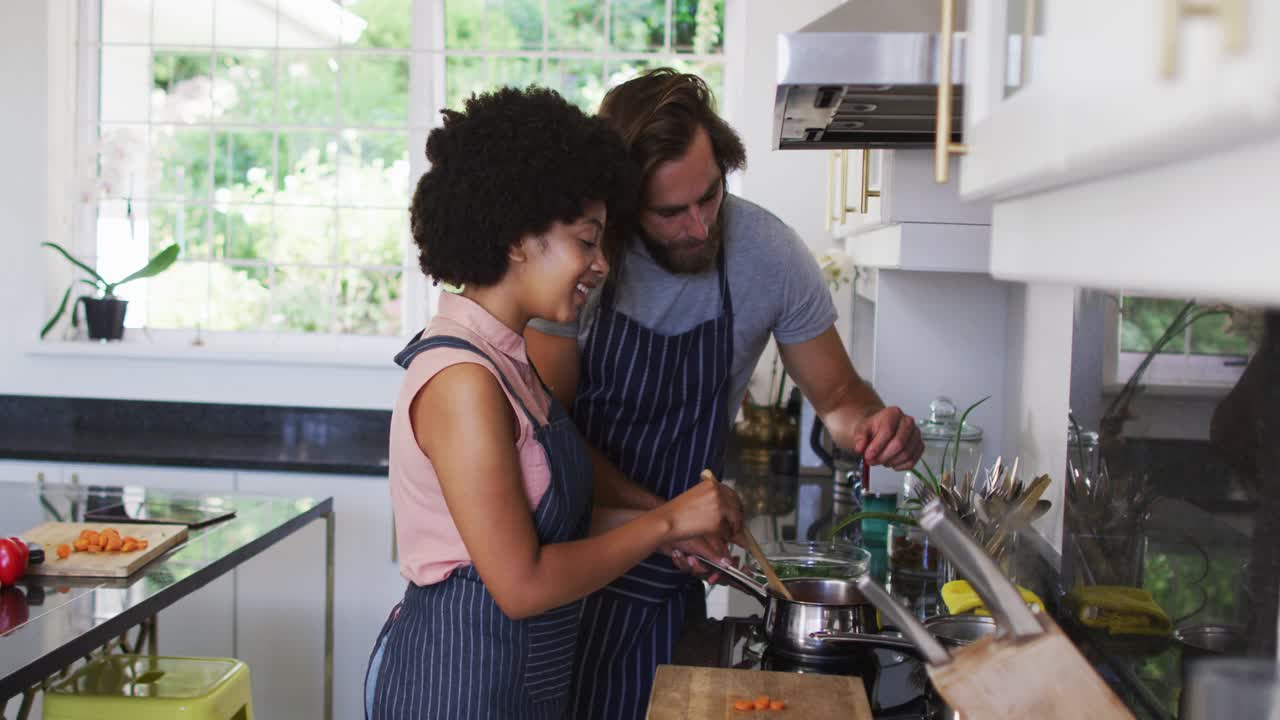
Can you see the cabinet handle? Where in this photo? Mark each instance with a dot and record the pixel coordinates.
(844, 185)
(1230, 12)
(867, 192)
(831, 187)
(943, 148)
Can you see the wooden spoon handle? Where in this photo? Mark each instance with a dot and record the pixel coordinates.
(754, 548)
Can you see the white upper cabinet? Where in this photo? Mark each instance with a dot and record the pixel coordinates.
(1060, 92)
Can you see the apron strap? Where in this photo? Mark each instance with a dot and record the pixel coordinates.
(417, 346)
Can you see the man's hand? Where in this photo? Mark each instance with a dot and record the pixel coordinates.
(888, 437)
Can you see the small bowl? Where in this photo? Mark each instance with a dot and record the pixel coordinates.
(960, 630)
(814, 559)
(1208, 640)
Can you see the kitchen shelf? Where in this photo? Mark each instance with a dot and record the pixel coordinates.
(925, 247)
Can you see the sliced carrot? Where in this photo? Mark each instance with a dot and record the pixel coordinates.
(90, 536)
(743, 705)
(92, 549)
(129, 545)
(777, 705)
(64, 551)
(142, 544)
(762, 702)
(81, 544)
(114, 543)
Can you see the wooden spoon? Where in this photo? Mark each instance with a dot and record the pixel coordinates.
(775, 583)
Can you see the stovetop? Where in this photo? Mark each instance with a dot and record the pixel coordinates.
(896, 683)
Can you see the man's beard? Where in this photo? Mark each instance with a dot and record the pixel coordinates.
(679, 261)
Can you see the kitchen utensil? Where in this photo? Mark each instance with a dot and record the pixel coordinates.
(701, 693)
(836, 558)
(999, 596)
(831, 604)
(906, 623)
(1028, 668)
(762, 561)
(103, 564)
(753, 547)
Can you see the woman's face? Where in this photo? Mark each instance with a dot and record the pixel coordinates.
(565, 263)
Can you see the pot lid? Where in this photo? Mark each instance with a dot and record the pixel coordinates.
(944, 420)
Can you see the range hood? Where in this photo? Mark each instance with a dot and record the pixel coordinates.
(865, 75)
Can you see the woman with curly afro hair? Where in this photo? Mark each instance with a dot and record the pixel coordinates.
(490, 480)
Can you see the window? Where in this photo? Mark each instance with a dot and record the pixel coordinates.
(1209, 343)
(277, 141)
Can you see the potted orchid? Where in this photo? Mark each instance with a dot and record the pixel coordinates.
(114, 161)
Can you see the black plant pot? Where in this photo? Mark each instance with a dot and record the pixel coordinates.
(104, 316)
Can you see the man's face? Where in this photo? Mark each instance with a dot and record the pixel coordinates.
(681, 204)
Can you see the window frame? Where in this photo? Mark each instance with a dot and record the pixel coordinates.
(427, 57)
(1168, 374)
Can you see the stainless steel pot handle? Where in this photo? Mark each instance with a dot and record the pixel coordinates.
(738, 579)
(853, 638)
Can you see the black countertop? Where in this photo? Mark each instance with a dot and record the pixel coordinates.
(209, 435)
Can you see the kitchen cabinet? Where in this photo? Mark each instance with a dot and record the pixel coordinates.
(1135, 151)
(853, 190)
(916, 223)
(202, 623)
(1066, 92)
(280, 596)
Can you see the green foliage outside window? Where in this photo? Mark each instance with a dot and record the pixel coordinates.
(283, 174)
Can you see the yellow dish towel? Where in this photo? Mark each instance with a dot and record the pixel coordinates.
(960, 598)
(1120, 610)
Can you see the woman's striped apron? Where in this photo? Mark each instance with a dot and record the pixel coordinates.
(657, 406)
(448, 651)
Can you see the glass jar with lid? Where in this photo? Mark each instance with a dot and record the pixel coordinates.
(942, 451)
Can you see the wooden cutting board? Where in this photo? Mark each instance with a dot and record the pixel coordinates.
(701, 693)
(103, 564)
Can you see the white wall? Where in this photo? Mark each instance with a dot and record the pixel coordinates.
(1038, 388)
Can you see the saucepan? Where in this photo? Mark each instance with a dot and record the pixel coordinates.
(819, 607)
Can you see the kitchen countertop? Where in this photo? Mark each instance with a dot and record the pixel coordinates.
(1195, 562)
(243, 437)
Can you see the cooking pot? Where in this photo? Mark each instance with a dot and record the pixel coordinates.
(827, 606)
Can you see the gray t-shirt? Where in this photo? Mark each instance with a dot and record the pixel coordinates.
(774, 281)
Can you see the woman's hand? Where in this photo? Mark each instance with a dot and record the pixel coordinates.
(708, 508)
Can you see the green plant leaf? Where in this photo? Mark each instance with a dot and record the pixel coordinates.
(870, 515)
(955, 460)
(92, 273)
(930, 481)
(154, 266)
(57, 314)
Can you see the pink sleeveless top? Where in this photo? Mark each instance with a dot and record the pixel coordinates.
(429, 545)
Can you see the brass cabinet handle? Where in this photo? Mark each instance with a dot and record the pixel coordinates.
(1231, 12)
(943, 148)
(844, 185)
(831, 188)
(867, 192)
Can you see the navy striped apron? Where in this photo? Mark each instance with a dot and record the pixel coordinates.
(656, 405)
(447, 650)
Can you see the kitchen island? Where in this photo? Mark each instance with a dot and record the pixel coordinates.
(60, 620)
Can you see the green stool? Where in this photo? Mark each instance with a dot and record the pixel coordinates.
(140, 687)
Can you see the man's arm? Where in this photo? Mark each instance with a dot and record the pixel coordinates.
(854, 414)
